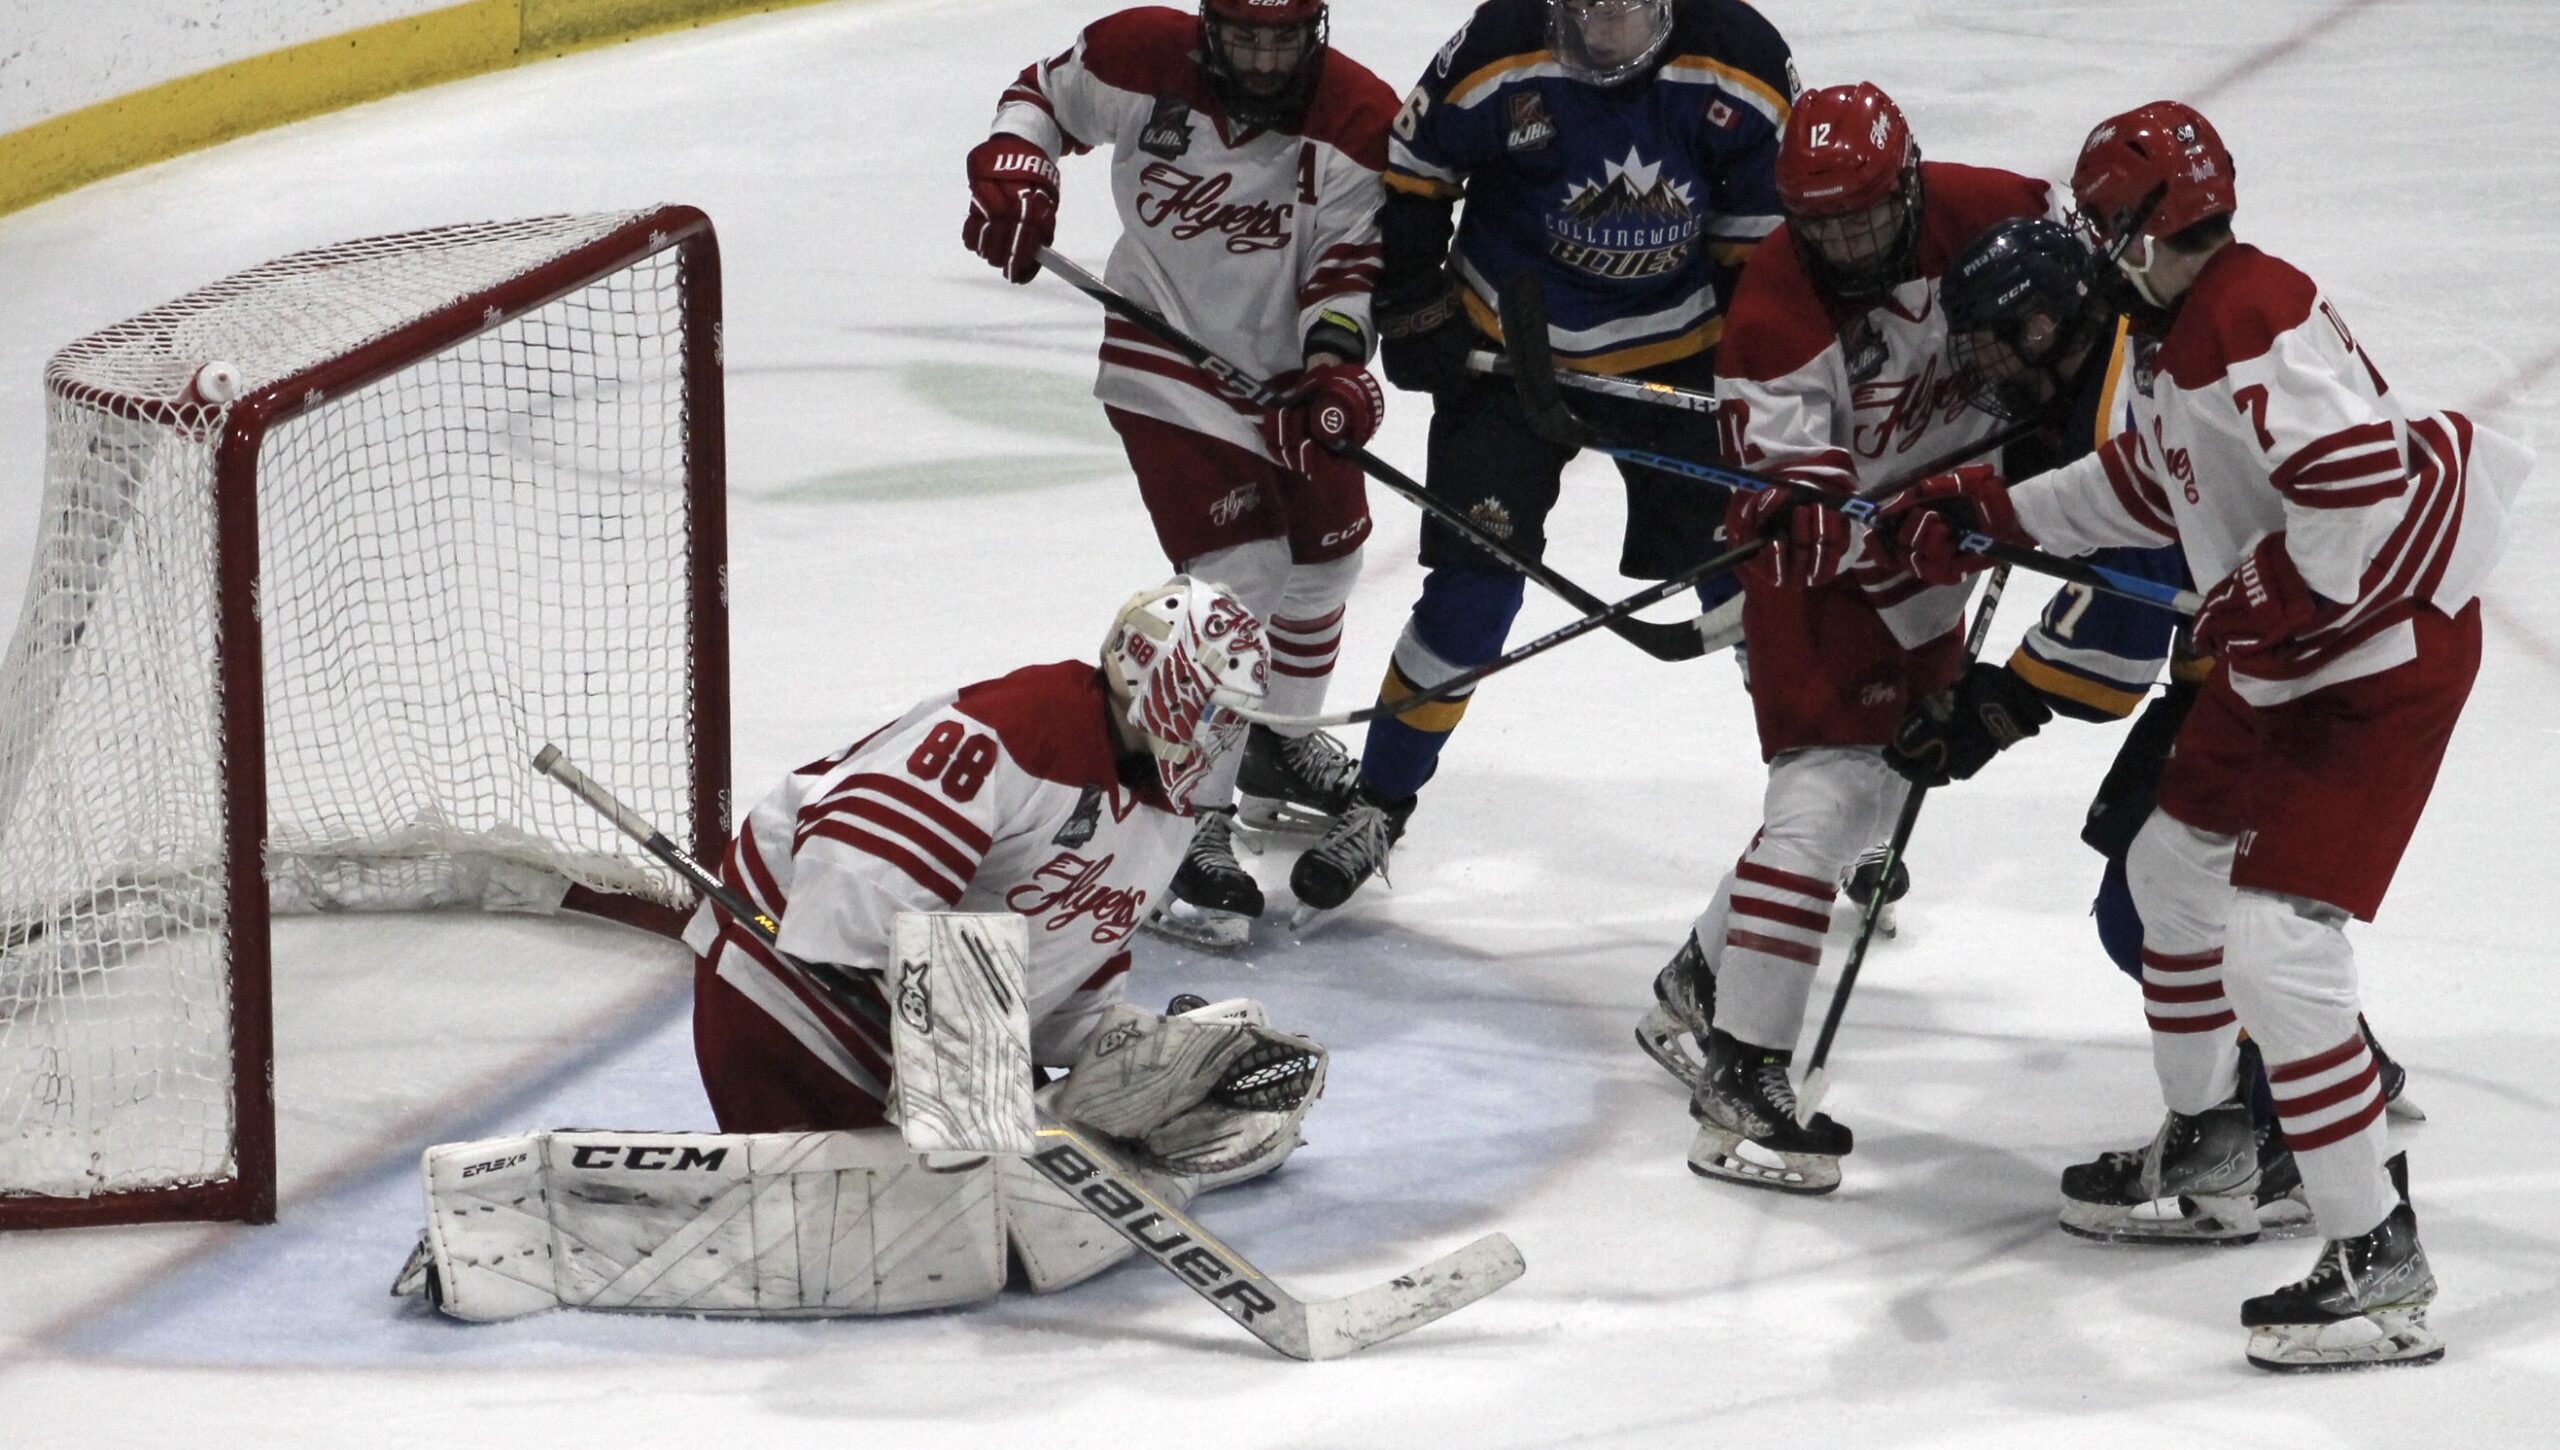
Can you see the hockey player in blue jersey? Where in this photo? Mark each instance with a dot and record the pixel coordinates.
(2034, 337)
(1622, 152)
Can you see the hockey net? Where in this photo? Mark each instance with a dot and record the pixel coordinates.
(294, 649)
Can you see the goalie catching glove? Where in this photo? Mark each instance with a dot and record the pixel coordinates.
(1213, 1093)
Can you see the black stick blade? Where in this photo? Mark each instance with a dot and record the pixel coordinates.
(1533, 363)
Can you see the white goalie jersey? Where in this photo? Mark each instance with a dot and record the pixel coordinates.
(1003, 797)
(1242, 237)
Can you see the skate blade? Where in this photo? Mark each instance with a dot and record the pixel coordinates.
(2386, 1338)
(2288, 1217)
(2220, 1222)
(1668, 1041)
(1217, 931)
(2404, 1109)
(1279, 818)
(1721, 1153)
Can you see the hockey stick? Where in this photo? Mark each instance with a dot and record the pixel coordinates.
(1683, 640)
(1817, 1076)
(1464, 679)
(1072, 1159)
(1662, 395)
(1524, 336)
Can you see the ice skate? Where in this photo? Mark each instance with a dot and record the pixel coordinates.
(1747, 1129)
(1214, 900)
(2196, 1181)
(1294, 786)
(1861, 882)
(2283, 1211)
(1354, 848)
(2395, 1081)
(2363, 1304)
(1674, 1032)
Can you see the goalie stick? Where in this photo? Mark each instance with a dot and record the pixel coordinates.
(1299, 1328)
(1817, 1076)
(1533, 371)
(1664, 640)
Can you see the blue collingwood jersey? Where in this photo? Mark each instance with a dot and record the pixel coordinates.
(2094, 656)
(1634, 205)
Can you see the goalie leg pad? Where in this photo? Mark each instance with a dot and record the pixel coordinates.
(787, 1225)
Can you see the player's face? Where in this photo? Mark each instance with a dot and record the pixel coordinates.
(1613, 32)
(1263, 57)
(1858, 241)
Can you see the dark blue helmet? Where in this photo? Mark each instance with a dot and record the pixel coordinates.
(2022, 307)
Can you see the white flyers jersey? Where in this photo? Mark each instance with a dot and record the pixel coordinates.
(1242, 237)
(2257, 413)
(1005, 796)
(1855, 403)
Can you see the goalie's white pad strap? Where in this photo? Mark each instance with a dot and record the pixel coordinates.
(961, 1032)
(769, 1224)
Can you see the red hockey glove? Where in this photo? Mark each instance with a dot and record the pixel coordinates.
(2257, 606)
(1013, 205)
(1924, 526)
(1808, 544)
(1334, 408)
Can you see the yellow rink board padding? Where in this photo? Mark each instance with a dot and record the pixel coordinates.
(471, 38)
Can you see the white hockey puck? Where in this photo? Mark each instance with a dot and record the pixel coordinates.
(215, 382)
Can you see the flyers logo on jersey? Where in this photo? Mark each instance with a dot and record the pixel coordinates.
(1894, 414)
(1070, 890)
(1187, 206)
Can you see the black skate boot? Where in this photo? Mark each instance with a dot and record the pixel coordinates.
(1747, 1129)
(2283, 1212)
(1295, 786)
(1674, 1033)
(2195, 1182)
(1866, 875)
(2364, 1303)
(1354, 849)
(2394, 1078)
(1214, 900)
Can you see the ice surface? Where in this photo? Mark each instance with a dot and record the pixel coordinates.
(924, 494)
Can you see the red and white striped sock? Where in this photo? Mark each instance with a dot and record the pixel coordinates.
(1302, 654)
(1776, 913)
(2195, 1036)
(2330, 1107)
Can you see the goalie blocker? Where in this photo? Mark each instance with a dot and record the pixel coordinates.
(804, 1225)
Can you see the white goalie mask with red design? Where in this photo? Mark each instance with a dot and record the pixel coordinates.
(1183, 656)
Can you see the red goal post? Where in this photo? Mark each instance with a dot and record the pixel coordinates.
(295, 629)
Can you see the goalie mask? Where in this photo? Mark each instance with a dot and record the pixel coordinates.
(1180, 658)
(1264, 57)
(1607, 42)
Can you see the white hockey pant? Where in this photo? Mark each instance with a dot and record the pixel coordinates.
(1763, 932)
(2216, 960)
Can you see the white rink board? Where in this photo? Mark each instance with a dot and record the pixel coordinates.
(923, 494)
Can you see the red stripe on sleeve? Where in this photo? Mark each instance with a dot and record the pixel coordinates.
(943, 887)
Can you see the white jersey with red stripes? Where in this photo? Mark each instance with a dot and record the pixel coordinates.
(2258, 413)
(1004, 796)
(1241, 236)
(1854, 402)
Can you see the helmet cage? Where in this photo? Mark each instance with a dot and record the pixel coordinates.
(2020, 300)
(1221, 20)
(1881, 240)
(1568, 35)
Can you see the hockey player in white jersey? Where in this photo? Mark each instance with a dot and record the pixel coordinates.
(1246, 156)
(1037, 816)
(2341, 538)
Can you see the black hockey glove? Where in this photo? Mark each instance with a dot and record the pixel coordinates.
(1951, 735)
(2132, 788)
(1424, 338)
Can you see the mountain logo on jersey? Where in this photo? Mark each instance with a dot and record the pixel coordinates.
(1185, 206)
(1168, 132)
(1631, 223)
(1531, 128)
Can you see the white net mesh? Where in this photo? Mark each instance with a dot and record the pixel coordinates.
(485, 550)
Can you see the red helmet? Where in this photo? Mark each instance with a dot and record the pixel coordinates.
(1258, 81)
(1847, 148)
(1264, 12)
(2164, 157)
